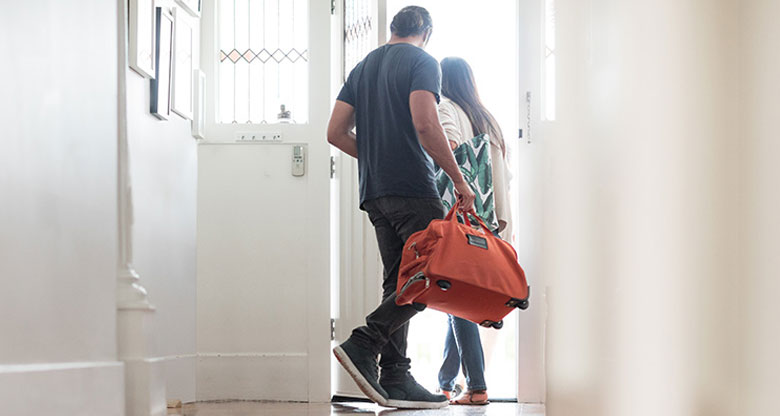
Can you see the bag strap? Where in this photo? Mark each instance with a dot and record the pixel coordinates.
(452, 217)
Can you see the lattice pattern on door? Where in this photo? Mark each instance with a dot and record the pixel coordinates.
(263, 61)
(358, 28)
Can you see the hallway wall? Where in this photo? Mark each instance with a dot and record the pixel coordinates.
(58, 209)
(163, 168)
(760, 66)
(639, 236)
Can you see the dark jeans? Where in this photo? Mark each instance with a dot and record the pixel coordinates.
(394, 220)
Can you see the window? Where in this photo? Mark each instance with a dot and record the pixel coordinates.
(263, 61)
(358, 29)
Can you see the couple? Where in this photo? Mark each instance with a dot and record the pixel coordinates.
(391, 97)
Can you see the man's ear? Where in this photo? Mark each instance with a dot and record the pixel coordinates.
(427, 37)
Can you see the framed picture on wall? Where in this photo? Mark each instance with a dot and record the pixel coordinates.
(191, 6)
(199, 115)
(141, 37)
(183, 44)
(161, 84)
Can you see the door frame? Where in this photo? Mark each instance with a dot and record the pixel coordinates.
(358, 256)
(528, 203)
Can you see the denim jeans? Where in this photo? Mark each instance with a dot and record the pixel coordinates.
(462, 347)
(394, 220)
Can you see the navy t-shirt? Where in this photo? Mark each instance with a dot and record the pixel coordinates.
(391, 160)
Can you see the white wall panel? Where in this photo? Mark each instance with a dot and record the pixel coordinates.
(759, 309)
(640, 218)
(58, 212)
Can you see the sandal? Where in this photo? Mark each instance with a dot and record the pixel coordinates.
(450, 394)
(472, 397)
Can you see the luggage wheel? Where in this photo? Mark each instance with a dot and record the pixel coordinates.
(444, 285)
(517, 303)
(489, 324)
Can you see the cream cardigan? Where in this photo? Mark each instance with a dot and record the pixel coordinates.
(458, 129)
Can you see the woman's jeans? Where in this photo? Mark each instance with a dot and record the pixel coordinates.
(462, 347)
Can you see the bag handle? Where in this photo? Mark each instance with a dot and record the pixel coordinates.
(405, 297)
(452, 217)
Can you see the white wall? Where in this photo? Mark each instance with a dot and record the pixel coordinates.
(760, 65)
(58, 215)
(640, 210)
(163, 167)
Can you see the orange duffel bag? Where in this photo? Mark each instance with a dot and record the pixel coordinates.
(463, 271)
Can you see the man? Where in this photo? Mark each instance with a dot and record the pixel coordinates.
(391, 97)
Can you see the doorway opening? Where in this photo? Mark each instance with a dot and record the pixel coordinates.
(485, 35)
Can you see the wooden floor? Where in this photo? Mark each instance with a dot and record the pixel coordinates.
(327, 409)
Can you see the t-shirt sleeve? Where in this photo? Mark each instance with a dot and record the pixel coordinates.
(448, 117)
(347, 93)
(426, 76)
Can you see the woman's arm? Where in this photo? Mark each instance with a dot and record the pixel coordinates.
(449, 121)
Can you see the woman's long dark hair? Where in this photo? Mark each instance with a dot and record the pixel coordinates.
(458, 85)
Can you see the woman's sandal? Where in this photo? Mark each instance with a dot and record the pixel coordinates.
(472, 397)
(450, 394)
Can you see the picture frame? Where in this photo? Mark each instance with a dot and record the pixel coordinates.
(191, 6)
(183, 52)
(141, 41)
(199, 114)
(160, 105)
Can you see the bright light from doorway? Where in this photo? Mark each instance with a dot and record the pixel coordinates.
(485, 35)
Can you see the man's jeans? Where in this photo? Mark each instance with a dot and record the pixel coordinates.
(394, 220)
(462, 347)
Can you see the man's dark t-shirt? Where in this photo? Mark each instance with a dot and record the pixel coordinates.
(391, 160)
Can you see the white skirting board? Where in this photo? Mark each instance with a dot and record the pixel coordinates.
(280, 377)
(63, 389)
(147, 396)
(180, 376)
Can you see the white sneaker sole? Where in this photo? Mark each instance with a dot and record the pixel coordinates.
(361, 381)
(405, 404)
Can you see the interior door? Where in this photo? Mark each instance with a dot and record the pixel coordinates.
(264, 201)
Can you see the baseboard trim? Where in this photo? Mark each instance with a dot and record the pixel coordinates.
(252, 376)
(180, 374)
(145, 387)
(69, 388)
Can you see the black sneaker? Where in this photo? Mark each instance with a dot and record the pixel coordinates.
(361, 365)
(408, 394)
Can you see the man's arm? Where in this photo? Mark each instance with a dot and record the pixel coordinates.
(342, 121)
(425, 117)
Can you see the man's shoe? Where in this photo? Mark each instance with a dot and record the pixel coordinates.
(361, 365)
(408, 394)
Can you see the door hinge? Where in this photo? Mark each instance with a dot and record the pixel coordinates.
(332, 167)
(332, 7)
(332, 329)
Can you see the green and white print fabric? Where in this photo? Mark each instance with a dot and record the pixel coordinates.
(473, 157)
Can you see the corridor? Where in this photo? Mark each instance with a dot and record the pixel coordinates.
(175, 225)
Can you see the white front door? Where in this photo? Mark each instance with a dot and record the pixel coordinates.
(357, 272)
(264, 202)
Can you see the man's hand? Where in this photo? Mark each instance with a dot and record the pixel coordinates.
(465, 195)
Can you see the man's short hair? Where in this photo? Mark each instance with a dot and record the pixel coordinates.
(411, 21)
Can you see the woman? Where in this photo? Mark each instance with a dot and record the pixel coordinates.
(463, 117)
